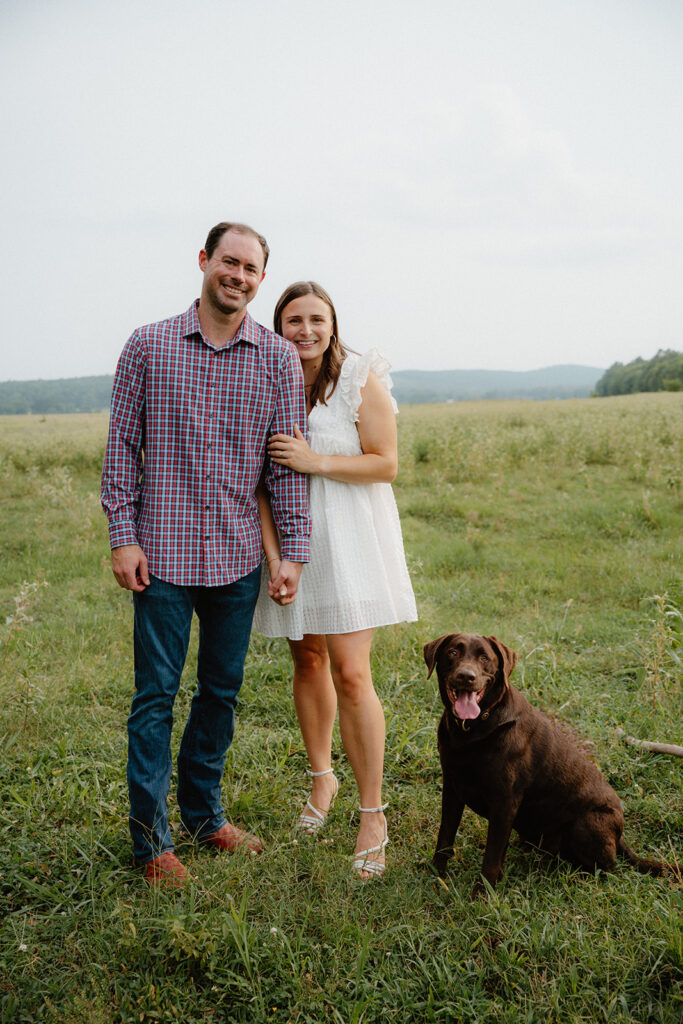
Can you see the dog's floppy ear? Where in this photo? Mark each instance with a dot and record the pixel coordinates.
(431, 650)
(507, 658)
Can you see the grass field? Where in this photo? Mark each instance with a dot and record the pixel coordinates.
(555, 526)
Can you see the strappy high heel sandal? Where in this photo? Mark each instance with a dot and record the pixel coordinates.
(362, 861)
(311, 819)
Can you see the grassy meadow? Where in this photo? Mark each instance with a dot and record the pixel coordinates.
(555, 526)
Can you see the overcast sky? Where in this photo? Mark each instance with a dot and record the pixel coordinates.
(477, 183)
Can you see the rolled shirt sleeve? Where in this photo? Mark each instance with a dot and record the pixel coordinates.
(288, 489)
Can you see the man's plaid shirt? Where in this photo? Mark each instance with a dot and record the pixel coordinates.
(187, 444)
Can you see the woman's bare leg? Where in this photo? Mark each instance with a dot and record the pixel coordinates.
(315, 701)
(361, 723)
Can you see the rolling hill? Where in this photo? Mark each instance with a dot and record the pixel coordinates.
(91, 394)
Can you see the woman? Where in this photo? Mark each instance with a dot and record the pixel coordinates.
(357, 577)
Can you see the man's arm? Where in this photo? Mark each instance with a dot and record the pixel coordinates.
(288, 490)
(284, 576)
(123, 466)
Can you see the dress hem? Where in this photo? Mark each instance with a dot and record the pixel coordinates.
(336, 632)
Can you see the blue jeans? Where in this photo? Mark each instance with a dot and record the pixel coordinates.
(163, 616)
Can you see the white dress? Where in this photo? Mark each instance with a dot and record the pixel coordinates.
(357, 576)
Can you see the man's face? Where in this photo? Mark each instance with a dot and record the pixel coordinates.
(233, 273)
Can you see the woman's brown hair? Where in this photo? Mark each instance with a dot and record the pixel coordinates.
(335, 354)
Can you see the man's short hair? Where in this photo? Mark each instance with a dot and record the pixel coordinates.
(216, 233)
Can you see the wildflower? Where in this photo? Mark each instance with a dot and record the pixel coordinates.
(23, 947)
(273, 931)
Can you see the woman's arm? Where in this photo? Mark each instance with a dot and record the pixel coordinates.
(284, 576)
(271, 543)
(378, 441)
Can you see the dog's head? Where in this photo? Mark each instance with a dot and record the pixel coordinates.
(473, 671)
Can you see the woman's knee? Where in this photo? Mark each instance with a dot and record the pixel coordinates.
(309, 655)
(352, 681)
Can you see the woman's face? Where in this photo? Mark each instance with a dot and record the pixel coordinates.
(307, 323)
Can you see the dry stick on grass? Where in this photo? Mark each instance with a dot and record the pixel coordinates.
(658, 748)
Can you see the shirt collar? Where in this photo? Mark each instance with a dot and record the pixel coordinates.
(248, 330)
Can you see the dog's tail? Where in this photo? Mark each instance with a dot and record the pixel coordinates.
(647, 867)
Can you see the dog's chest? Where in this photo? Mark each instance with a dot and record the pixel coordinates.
(473, 767)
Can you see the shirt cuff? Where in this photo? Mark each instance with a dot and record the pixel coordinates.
(295, 549)
(122, 533)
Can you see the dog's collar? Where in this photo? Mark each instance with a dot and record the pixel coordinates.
(465, 723)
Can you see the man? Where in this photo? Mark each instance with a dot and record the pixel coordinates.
(195, 399)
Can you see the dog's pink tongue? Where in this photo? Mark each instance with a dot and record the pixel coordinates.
(466, 706)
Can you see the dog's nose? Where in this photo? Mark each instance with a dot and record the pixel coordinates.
(465, 675)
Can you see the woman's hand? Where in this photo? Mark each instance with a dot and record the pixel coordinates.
(276, 592)
(283, 587)
(294, 452)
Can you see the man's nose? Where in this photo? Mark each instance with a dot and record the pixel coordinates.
(237, 271)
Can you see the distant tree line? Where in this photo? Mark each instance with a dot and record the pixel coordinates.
(664, 372)
(72, 394)
(92, 394)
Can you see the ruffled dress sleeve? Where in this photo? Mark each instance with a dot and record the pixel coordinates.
(355, 374)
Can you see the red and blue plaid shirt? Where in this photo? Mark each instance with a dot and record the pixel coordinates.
(187, 444)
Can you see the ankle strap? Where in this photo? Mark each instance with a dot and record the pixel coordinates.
(373, 810)
(316, 774)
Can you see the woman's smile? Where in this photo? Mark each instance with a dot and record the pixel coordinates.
(307, 323)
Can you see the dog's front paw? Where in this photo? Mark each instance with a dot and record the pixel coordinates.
(440, 864)
(482, 889)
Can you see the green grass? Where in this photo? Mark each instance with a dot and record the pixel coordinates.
(555, 526)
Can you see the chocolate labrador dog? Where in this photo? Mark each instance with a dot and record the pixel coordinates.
(512, 765)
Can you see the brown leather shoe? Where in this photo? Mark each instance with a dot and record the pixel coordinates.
(165, 871)
(231, 838)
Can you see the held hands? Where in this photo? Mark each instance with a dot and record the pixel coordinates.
(294, 452)
(129, 565)
(284, 580)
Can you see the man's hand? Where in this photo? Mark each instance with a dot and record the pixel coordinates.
(283, 588)
(129, 566)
